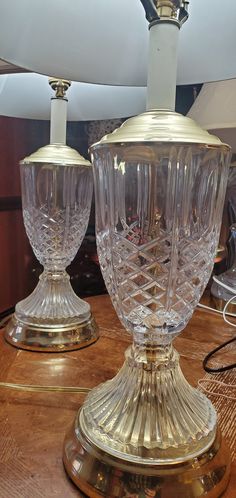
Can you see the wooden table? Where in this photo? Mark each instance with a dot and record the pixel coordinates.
(33, 425)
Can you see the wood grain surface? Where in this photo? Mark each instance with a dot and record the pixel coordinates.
(33, 425)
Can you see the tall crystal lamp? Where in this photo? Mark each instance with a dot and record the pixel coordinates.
(159, 183)
(56, 197)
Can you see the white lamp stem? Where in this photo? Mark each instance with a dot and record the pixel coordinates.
(59, 103)
(58, 121)
(162, 65)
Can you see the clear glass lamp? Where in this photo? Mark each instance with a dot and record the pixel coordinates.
(56, 198)
(160, 184)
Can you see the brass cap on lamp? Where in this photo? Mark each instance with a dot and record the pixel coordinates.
(161, 126)
(166, 8)
(57, 153)
(60, 86)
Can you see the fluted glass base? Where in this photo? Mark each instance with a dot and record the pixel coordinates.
(53, 302)
(149, 412)
(147, 433)
(52, 318)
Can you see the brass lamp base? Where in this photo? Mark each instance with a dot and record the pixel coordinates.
(48, 339)
(98, 473)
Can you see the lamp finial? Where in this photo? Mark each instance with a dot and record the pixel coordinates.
(60, 86)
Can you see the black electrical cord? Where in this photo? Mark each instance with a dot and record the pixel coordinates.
(5, 313)
(212, 353)
(150, 10)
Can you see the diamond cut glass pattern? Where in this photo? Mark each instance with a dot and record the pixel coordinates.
(158, 209)
(56, 205)
(161, 230)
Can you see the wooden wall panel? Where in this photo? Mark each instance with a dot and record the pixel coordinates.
(16, 259)
(18, 138)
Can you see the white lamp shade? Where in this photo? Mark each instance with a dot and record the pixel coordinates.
(28, 95)
(215, 110)
(106, 41)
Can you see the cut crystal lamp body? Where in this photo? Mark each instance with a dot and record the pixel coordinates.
(159, 209)
(56, 199)
(159, 205)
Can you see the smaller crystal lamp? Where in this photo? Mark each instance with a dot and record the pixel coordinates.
(56, 198)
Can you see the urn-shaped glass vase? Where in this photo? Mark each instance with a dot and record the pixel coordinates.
(56, 200)
(159, 184)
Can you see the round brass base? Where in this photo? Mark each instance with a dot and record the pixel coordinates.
(98, 473)
(51, 339)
